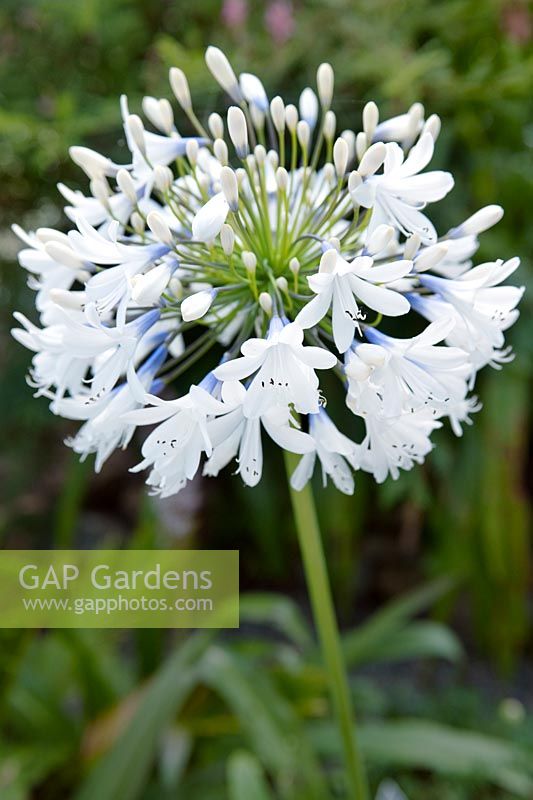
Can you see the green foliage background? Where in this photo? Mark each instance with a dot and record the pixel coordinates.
(466, 514)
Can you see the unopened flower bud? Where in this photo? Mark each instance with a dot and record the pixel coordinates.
(180, 87)
(340, 157)
(191, 150)
(430, 256)
(222, 72)
(372, 159)
(159, 112)
(291, 117)
(216, 126)
(163, 178)
(282, 284)
(361, 144)
(380, 238)
(349, 138)
(330, 125)
(135, 127)
(196, 305)
(303, 131)
(253, 91)
(354, 180)
(250, 261)
(220, 150)
(273, 157)
(277, 112)
(176, 287)
(294, 266)
(100, 190)
(238, 131)
(265, 301)
(227, 239)
(159, 228)
(137, 223)
(370, 120)
(126, 185)
(260, 154)
(282, 178)
(325, 80)
(228, 181)
(335, 243)
(308, 105)
(481, 221)
(258, 117)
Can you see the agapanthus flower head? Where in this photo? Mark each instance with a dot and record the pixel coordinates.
(278, 251)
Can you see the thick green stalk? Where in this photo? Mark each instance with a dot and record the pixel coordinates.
(326, 623)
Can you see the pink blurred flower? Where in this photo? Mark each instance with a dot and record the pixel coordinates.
(279, 20)
(517, 23)
(234, 13)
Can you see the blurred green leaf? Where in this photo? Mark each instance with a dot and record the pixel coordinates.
(277, 611)
(246, 779)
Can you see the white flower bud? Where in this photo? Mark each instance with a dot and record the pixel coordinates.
(137, 223)
(481, 221)
(303, 131)
(222, 72)
(277, 112)
(228, 181)
(208, 221)
(242, 177)
(250, 163)
(415, 116)
(273, 157)
(126, 185)
(63, 254)
(372, 159)
(159, 112)
(227, 239)
(253, 91)
(354, 181)
(163, 178)
(329, 173)
(432, 126)
(250, 261)
(220, 150)
(330, 125)
(196, 305)
(282, 178)
(349, 138)
(308, 105)
(258, 117)
(294, 266)
(148, 288)
(380, 238)
(340, 157)
(260, 154)
(282, 284)
(180, 87)
(361, 145)
(325, 80)
(216, 126)
(265, 301)
(291, 117)
(370, 120)
(191, 151)
(92, 163)
(335, 242)
(176, 287)
(411, 246)
(430, 256)
(328, 262)
(238, 131)
(159, 228)
(135, 127)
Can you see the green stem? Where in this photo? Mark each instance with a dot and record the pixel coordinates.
(324, 614)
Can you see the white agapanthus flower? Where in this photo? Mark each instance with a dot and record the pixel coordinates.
(285, 254)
